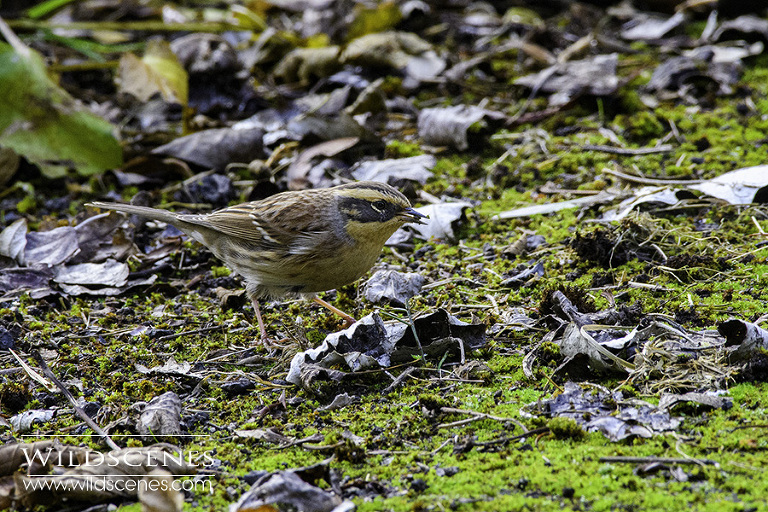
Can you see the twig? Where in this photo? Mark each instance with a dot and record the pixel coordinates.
(665, 148)
(506, 439)
(649, 181)
(399, 379)
(476, 416)
(661, 460)
(87, 419)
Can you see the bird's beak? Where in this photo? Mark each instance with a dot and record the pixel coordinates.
(412, 215)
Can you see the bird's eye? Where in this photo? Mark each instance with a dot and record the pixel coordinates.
(379, 205)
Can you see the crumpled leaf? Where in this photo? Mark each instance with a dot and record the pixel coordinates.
(395, 171)
(677, 73)
(373, 343)
(458, 126)
(216, 148)
(23, 422)
(439, 226)
(50, 248)
(569, 80)
(42, 123)
(749, 338)
(108, 273)
(107, 291)
(577, 341)
(94, 241)
(340, 402)
(17, 279)
(739, 27)
(530, 272)
(170, 367)
(307, 64)
(161, 416)
(599, 410)
(742, 186)
(711, 399)
(333, 127)
(13, 240)
(159, 71)
(205, 53)
(403, 51)
(300, 170)
(285, 490)
(392, 286)
(648, 27)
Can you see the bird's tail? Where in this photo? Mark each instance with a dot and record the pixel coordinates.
(142, 211)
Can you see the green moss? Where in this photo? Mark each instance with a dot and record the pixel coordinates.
(402, 149)
(220, 271)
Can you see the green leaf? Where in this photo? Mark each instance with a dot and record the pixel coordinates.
(42, 123)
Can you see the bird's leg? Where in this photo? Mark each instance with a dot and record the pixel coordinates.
(348, 320)
(262, 328)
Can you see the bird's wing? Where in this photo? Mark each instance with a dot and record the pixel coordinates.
(282, 224)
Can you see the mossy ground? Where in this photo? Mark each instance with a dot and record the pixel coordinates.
(721, 272)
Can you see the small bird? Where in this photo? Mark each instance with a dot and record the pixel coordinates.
(296, 242)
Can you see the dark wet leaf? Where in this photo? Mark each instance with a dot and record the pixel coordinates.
(525, 275)
(205, 53)
(216, 148)
(372, 343)
(213, 189)
(238, 387)
(286, 490)
(328, 128)
(52, 247)
(678, 73)
(742, 26)
(750, 339)
(300, 170)
(599, 410)
(17, 279)
(7, 339)
(595, 76)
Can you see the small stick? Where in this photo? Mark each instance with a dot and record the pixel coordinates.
(87, 419)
